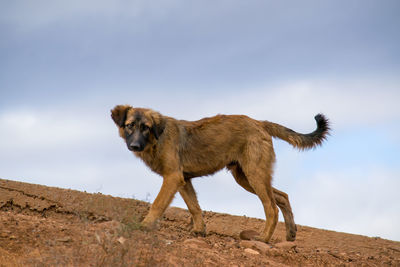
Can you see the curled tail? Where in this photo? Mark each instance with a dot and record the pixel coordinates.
(298, 140)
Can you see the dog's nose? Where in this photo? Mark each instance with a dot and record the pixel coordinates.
(135, 146)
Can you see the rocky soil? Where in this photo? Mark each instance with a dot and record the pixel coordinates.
(46, 226)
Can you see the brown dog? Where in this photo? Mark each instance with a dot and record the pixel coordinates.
(179, 150)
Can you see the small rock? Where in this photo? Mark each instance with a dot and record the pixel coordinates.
(65, 239)
(168, 242)
(246, 244)
(274, 252)
(196, 243)
(121, 240)
(251, 251)
(260, 246)
(248, 234)
(287, 245)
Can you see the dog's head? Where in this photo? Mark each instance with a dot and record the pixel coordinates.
(138, 126)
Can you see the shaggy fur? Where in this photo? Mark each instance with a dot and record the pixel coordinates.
(180, 150)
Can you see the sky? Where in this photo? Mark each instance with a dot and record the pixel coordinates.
(65, 64)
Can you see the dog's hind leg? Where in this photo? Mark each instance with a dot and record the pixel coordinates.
(281, 199)
(239, 176)
(259, 177)
(189, 196)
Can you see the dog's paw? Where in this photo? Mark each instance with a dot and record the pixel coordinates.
(198, 227)
(291, 235)
(199, 232)
(262, 239)
(148, 226)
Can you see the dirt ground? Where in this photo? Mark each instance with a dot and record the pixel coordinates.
(47, 226)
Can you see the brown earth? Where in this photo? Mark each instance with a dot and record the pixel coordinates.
(47, 226)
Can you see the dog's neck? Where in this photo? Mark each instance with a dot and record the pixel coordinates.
(150, 157)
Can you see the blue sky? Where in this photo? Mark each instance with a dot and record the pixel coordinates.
(65, 64)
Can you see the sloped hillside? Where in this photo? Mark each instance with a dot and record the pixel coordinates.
(46, 226)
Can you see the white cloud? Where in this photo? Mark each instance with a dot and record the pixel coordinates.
(32, 129)
(362, 201)
(347, 103)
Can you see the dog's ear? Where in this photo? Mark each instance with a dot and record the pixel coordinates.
(118, 114)
(158, 124)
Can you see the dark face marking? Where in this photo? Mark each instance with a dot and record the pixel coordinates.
(137, 132)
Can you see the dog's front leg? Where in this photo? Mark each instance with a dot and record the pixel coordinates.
(172, 182)
(189, 196)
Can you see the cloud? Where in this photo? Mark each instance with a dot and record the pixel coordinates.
(31, 129)
(181, 41)
(348, 103)
(363, 200)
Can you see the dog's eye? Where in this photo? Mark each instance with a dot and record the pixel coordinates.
(130, 125)
(144, 127)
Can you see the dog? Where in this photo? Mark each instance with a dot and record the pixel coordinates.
(180, 150)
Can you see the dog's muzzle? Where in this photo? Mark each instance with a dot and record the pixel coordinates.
(136, 146)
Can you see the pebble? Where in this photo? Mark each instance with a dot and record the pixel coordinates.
(251, 251)
(65, 239)
(260, 246)
(168, 242)
(121, 240)
(248, 234)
